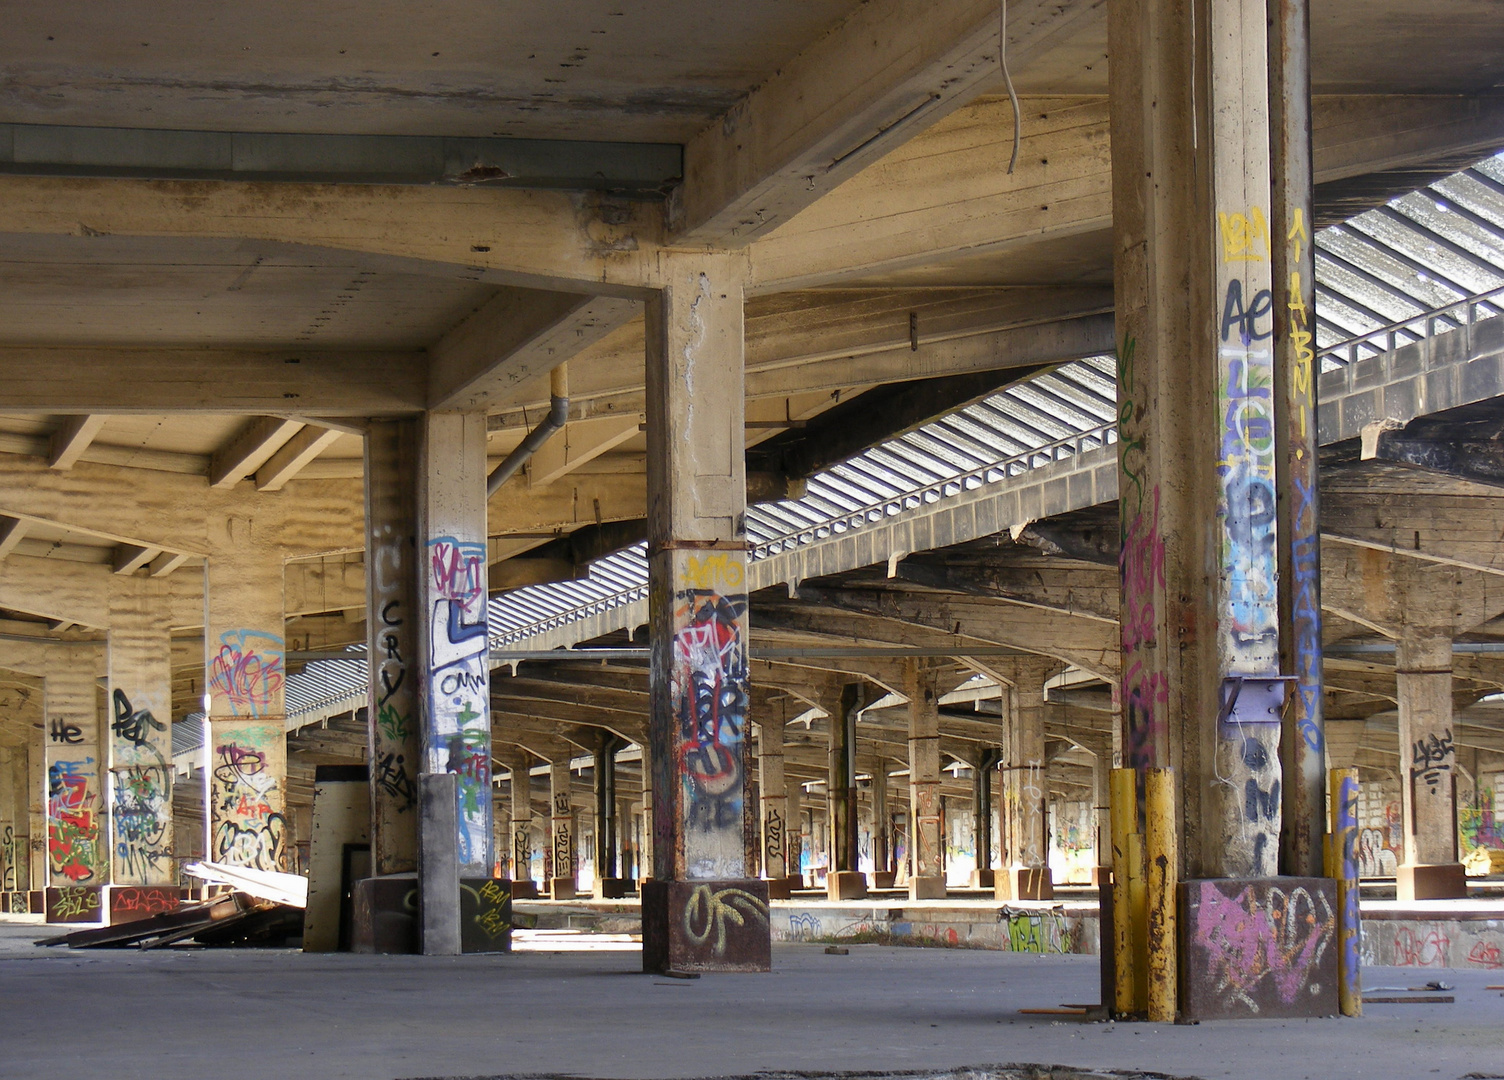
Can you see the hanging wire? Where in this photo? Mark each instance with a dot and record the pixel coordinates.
(1002, 56)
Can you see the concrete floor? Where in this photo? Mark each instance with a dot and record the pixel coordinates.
(184, 1014)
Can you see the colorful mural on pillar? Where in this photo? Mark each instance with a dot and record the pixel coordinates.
(74, 807)
(140, 795)
(247, 672)
(458, 739)
(709, 689)
(246, 794)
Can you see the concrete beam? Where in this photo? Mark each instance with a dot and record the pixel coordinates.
(71, 439)
(249, 450)
(294, 456)
(129, 558)
(12, 532)
(889, 70)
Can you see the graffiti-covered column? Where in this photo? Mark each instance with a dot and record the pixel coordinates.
(794, 841)
(519, 764)
(702, 910)
(562, 883)
(774, 796)
(392, 564)
(245, 692)
(1200, 630)
(1428, 789)
(1025, 787)
(926, 843)
(454, 704)
(140, 742)
(983, 766)
(882, 826)
(843, 882)
(76, 855)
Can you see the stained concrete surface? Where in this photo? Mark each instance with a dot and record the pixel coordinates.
(183, 1014)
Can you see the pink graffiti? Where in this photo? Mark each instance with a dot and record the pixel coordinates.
(1281, 937)
(459, 572)
(248, 671)
(1142, 565)
(1421, 950)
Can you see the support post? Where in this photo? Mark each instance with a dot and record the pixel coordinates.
(396, 746)
(1293, 267)
(1162, 861)
(843, 881)
(1428, 790)
(1124, 813)
(773, 789)
(455, 705)
(1025, 787)
(983, 770)
(440, 919)
(523, 885)
(610, 882)
(794, 845)
(140, 755)
(927, 873)
(1344, 797)
(702, 910)
(562, 884)
(882, 827)
(75, 781)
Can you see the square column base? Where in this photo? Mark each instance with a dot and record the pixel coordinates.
(927, 888)
(779, 888)
(1429, 881)
(562, 888)
(706, 926)
(846, 885)
(612, 888)
(883, 879)
(525, 890)
(1025, 883)
(983, 879)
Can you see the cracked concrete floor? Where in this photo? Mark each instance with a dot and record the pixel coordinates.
(182, 1014)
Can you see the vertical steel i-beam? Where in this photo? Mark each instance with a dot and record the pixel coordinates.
(701, 910)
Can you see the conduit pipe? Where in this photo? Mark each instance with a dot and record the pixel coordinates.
(558, 413)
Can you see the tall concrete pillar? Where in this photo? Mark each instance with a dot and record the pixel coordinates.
(843, 881)
(1025, 787)
(794, 846)
(563, 884)
(392, 571)
(697, 614)
(927, 843)
(626, 842)
(645, 862)
(1428, 791)
(75, 779)
(773, 790)
(521, 794)
(1196, 442)
(610, 878)
(245, 679)
(455, 704)
(140, 743)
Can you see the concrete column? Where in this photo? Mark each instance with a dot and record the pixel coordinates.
(794, 846)
(882, 827)
(626, 845)
(75, 779)
(927, 843)
(1025, 787)
(244, 678)
(521, 793)
(1423, 670)
(1196, 419)
(983, 769)
(396, 745)
(455, 703)
(562, 884)
(38, 753)
(645, 863)
(140, 743)
(844, 881)
(1293, 270)
(12, 812)
(773, 789)
(697, 615)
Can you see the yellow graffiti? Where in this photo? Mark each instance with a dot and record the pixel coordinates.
(721, 571)
(1298, 231)
(707, 912)
(1245, 237)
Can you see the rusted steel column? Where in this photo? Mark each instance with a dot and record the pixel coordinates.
(1302, 742)
(927, 854)
(702, 909)
(396, 747)
(1161, 862)
(1344, 797)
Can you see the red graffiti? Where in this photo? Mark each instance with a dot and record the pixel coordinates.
(458, 572)
(1428, 950)
(1485, 954)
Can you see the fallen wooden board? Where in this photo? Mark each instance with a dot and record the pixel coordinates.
(1411, 999)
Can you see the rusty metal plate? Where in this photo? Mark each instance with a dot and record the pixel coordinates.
(485, 915)
(386, 915)
(1258, 947)
(706, 926)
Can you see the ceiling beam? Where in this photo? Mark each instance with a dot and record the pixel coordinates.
(12, 532)
(86, 379)
(889, 70)
(293, 456)
(261, 437)
(71, 439)
(516, 336)
(166, 563)
(129, 558)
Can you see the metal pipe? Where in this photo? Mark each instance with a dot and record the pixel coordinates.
(1162, 858)
(1344, 789)
(558, 414)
